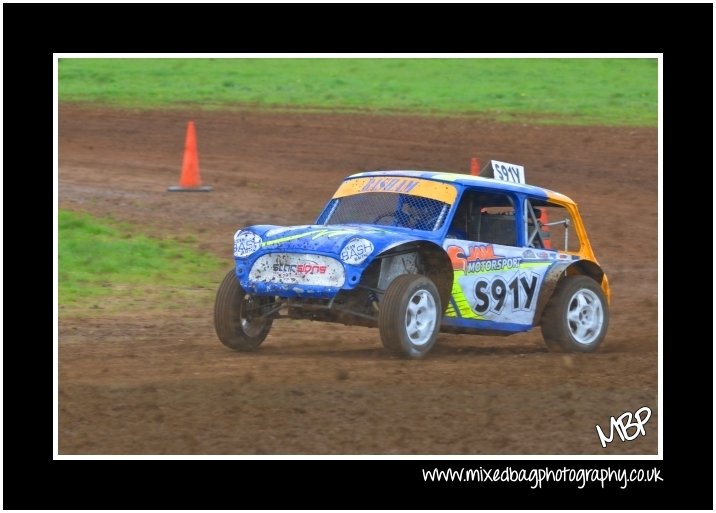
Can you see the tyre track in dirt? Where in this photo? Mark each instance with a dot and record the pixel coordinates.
(160, 382)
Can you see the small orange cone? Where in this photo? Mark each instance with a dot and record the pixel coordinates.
(474, 166)
(190, 181)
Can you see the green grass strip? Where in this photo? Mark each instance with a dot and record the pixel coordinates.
(565, 91)
(108, 265)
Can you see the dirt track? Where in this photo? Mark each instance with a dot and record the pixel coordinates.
(161, 383)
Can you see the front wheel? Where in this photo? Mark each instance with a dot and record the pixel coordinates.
(576, 317)
(410, 315)
(240, 319)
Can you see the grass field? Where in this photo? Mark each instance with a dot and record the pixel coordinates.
(109, 266)
(565, 91)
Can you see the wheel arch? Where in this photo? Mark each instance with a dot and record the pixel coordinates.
(434, 262)
(561, 270)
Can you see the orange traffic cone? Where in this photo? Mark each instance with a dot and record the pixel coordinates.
(190, 181)
(474, 166)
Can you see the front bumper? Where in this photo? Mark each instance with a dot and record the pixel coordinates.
(292, 275)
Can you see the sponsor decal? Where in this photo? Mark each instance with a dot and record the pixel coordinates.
(246, 243)
(356, 251)
(399, 185)
(480, 259)
(388, 184)
(501, 286)
(297, 269)
(303, 268)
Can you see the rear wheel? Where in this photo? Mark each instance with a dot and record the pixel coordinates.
(239, 318)
(410, 314)
(576, 317)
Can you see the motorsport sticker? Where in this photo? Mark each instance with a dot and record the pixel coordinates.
(480, 259)
(497, 287)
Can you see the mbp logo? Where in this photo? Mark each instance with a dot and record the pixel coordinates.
(624, 423)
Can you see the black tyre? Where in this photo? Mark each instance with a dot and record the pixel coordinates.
(577, 316)
(410, 315)
(238, 316)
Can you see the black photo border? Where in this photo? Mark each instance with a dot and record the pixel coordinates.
(32, 33)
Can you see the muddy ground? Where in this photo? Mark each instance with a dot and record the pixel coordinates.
(157, 380)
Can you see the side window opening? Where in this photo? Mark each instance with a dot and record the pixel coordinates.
(485, 217)
(549, 226)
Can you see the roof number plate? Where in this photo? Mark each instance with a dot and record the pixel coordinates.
(508, 172)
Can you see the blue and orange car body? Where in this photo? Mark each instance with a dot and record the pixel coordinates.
(494, 288)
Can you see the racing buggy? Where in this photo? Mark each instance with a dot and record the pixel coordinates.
(414, 253)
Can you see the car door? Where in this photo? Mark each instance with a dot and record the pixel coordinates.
(494, 287)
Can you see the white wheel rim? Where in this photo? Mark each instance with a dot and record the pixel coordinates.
(420, 317)
(585, 316)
